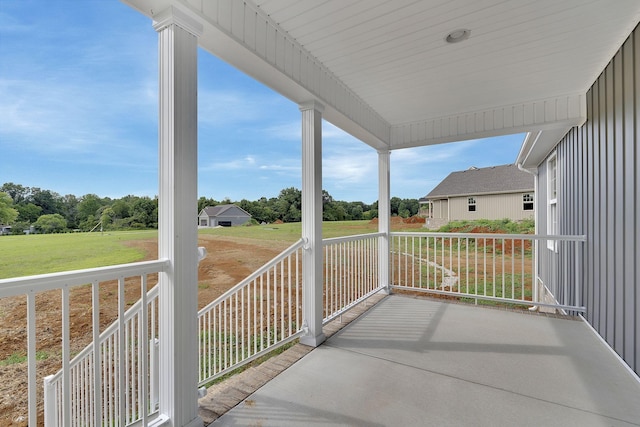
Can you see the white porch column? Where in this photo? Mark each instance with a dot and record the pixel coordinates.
(177, 214)
(312, 221)
(384, 212)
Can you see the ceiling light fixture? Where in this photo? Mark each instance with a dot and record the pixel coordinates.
(457, 36)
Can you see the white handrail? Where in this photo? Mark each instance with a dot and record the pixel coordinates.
(47, 282)
(564, 237)
(334, 240)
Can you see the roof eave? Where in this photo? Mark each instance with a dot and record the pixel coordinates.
(537, 145)
(449, 196)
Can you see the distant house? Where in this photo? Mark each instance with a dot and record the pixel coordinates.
(494, 192)
(222, 215)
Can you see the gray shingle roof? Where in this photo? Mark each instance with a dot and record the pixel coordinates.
(493, 179)
(220, 209)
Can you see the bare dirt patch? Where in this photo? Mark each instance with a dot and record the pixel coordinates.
(228, 261)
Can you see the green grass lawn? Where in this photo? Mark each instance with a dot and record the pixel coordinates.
(49, 253)
(290, 232)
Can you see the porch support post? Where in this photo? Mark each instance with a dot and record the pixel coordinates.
(384, 212)
(312, 222)
(177, 214)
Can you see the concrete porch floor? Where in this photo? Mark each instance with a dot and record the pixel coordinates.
(417, 362)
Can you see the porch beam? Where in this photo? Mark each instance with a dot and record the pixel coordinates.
(177, 210)
(312, 222)
(384, 213)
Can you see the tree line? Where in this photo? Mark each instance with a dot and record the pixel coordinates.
(45, 211)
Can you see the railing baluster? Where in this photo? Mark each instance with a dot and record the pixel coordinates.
(466, 243)
(282, 300)
(513, 271)
(144, 352)
(289, 300)
(255, 315)
(106, 366)
(236, 329)
(522, 274)
(242, 323)
(215, 338)
(96, 352)
(458, 273)
(327, 279)
(66, 395)
(127, 370)
(298, 288)
(31, 357)
(268, 288)
(121, 354)
(503, 273)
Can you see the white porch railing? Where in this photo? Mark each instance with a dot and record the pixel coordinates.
(350, 272)
(138, 363)
(254, 317)
(496, 267)
(264, 311)
(109, 382)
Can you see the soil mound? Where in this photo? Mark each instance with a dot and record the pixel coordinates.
(399, 220)
(415, 220)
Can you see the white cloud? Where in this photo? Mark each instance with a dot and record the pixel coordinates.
(228, 107)
(252, 163)
(350, 167)
(291, 131)
(63, 118)
(12, 25)
(334, 133)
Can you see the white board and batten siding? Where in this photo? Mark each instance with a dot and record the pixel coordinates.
(599, 196)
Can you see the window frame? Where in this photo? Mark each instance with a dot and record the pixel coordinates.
(526, 202)
(472, 203)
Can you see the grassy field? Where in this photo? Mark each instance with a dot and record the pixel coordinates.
(291, 232)
(49, 253)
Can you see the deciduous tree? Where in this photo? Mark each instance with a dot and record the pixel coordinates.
(7, 213)
(51, 223)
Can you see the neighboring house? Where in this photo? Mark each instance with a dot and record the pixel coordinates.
(588, 184)
(494, 192)
(222, 215)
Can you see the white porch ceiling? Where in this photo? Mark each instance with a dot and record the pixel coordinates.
(385, 73)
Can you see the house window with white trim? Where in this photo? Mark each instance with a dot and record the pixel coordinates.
(552, 199)
(527, 202)
(472, 204)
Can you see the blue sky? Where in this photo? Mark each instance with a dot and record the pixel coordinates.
(78, 115)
